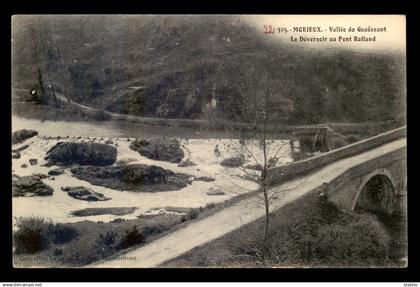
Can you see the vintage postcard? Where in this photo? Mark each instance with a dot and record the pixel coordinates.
(209, 141)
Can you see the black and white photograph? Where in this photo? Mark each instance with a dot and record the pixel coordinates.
(209, 141)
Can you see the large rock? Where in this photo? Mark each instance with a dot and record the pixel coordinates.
(21, 135)
(20, 148)
(30, 186)
(68, 153)
(215, 192)
(40, 175)
(84, 193)
(232, 162)
(204, 178)
(15, 154)
(56, 171)
(136, 177)
(165, 149)
(186, 163)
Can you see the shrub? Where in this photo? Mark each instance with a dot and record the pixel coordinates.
(321, 235)
(84, 252)
(108, 240)
(36, 234)
(192, 214)
(362, 241)
(131, 237)
(31, 235)
(118, 220)
(337, 140)
(353, 138)
(210, 205)
(305, 233)
(152, 230)
(61, 233)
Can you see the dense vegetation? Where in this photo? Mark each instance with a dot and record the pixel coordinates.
(308, 232)
(82, 242)
(41, 241)
(172, 67)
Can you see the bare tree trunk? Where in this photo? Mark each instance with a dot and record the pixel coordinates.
(265, 191)
(266, 226)
(45, 67)
(266, 202)
(267, 213)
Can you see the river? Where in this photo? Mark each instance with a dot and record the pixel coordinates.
(112, 129)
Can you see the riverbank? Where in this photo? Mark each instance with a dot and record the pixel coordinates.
(122, 125)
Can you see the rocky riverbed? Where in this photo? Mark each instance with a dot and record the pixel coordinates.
(144, 175)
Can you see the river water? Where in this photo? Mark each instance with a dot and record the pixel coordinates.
(112, 129)
(201, 151)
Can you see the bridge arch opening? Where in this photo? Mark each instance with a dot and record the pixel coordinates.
(377, 195)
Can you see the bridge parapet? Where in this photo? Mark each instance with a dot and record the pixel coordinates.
(278, 175)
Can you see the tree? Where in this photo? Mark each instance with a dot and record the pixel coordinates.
(259, 107)
(49, 60)
(40, 56)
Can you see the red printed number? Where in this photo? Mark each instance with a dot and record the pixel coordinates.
(268, 29)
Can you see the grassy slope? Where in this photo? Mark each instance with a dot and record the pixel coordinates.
(303, 233)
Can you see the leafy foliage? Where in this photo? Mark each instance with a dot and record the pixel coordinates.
(131, 237)
(35, 234)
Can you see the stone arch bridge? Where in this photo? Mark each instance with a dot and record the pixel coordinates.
(378, 186)
(375, 183)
